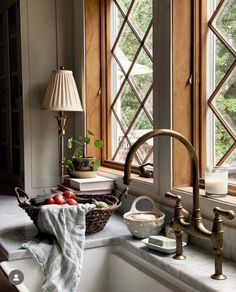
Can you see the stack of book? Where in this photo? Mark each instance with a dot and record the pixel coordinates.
(98, 185)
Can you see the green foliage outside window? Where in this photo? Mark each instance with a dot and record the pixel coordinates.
(140, 18)
(225, 101)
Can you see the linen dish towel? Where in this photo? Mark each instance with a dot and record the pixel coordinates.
(60, 255)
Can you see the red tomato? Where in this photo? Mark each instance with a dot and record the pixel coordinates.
(69, 194)
(59, 199)
(71, 201)
(49, 201)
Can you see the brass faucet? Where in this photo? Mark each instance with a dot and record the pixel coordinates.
(195, 224)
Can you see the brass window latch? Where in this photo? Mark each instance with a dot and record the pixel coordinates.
(146, 170)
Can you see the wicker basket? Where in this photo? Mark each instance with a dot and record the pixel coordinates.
(96, 218)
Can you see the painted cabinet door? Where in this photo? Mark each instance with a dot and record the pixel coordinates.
(45, 42)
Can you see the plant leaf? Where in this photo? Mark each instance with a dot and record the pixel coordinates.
(96, 164)
(78, 152)
(87, 140)
(98, 143)
(90, 132)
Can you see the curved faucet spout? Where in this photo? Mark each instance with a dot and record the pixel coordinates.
(186, 143)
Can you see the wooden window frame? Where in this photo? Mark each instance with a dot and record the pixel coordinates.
(182, 89)
(188, 81)
(106, 57)
(202, 28)
(93, 101)
(97, 36)
(97, 19)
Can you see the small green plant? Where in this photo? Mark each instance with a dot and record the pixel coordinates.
(80, 150)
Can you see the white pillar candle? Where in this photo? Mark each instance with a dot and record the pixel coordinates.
(216, 181)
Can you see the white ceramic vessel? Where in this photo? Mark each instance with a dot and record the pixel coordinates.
(142, 224)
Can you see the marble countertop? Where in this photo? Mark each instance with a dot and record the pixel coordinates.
(16, 228)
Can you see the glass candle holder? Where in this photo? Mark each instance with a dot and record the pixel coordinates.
(216, 181)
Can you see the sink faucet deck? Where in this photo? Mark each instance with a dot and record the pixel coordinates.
(195, 224)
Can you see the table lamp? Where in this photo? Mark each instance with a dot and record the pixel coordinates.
(62, 95)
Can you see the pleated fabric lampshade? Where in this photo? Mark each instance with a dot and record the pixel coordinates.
(62, 93)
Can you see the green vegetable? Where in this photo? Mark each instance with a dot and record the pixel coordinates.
(100, 204)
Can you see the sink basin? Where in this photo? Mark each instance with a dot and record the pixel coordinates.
(114, 270)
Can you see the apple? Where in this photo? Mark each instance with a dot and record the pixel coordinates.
(71, 201)
(69, 194)
(59, 199)
(49, 201)
(57, 196)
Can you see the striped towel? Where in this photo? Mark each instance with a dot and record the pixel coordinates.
(60, 255)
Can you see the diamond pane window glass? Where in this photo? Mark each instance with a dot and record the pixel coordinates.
(124, 4)
(123, 52)
(224, 59)
(140, 16)
(221, 148)
(225, 101)
(222, 100)
(141, 74)
(148, 41)
(126, 108)
(149, 104)
(120, 20)
(225, 23)
(131, 78)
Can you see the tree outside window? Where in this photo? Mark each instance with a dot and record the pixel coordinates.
(132, 66)
(223, 98)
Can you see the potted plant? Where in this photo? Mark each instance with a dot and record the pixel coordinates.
(82, 165)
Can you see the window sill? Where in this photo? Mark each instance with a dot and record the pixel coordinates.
(231, 200)
(118, 173)
(145, 186)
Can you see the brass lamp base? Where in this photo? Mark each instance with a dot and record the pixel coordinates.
(61, 120)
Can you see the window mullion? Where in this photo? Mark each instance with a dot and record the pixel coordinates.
(162, 92)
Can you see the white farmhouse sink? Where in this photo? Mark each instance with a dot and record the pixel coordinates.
(105, 269)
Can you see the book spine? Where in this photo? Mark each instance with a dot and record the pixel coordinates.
(88, 186)
(66, 181)
(62, 187)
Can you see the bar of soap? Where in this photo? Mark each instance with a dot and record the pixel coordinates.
(162, 241)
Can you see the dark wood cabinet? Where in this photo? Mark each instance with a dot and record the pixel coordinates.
(11, 126)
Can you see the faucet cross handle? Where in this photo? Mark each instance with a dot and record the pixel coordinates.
(229, 214)
(177, 198)
(217, 240)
